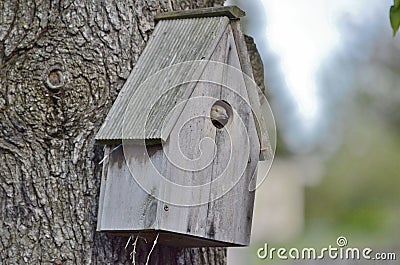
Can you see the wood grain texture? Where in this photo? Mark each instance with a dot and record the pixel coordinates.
(233, 211)
(62, 64)
(188, 134)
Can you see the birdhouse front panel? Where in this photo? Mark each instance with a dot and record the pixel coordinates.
(182, 141)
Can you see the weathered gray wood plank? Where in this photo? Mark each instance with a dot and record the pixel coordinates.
(232, 213)
(126, 206)
(195, 73)
(189, 136)
(104, 174)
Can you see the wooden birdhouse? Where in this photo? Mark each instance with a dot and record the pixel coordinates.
(182, 140)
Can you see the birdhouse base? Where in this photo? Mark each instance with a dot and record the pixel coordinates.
(172, 239)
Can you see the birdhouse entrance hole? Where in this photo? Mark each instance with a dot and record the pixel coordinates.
(220, 113)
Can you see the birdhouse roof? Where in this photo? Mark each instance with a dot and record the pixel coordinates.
(173, 41)
(162, 78)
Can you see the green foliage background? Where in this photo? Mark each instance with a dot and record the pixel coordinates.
(394, 15)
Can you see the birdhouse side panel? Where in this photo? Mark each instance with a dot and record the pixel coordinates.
(104, 172)
(126, 205)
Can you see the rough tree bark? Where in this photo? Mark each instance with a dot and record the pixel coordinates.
(62, 64)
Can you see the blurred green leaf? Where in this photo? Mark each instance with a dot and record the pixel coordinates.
(395, 16)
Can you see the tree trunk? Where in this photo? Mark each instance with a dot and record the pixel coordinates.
(62, 64)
